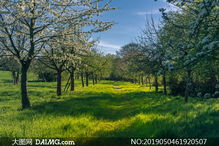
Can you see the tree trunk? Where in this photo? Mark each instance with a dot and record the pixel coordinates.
(93, 78)
(156, 83)
(72, 77)
(24, 94)
(87, 78)
(96, 79)
(149, 81)
(82, 79)
(14, 77)
(142, 80)
(17, 77)
(164, 84)
(59, 83)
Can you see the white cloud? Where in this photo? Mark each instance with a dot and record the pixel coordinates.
(148, 12)
(108, 45)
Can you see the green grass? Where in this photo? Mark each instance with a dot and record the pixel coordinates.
(108, 109)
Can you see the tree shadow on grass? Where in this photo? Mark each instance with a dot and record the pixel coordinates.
(110, 82)
(9, 95)
(101, 105)
(203, 126)
(113, 83)
(43, 86)
(12, 95)
(6, 81)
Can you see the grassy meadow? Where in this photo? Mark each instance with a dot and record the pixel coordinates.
(108, 109)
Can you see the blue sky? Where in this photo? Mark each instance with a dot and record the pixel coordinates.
(130, 18)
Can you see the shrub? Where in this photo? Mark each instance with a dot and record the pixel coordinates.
(47, 76)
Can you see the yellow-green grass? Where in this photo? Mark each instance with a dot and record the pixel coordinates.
(108, 109)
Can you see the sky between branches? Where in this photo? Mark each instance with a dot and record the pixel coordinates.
(130, 19)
